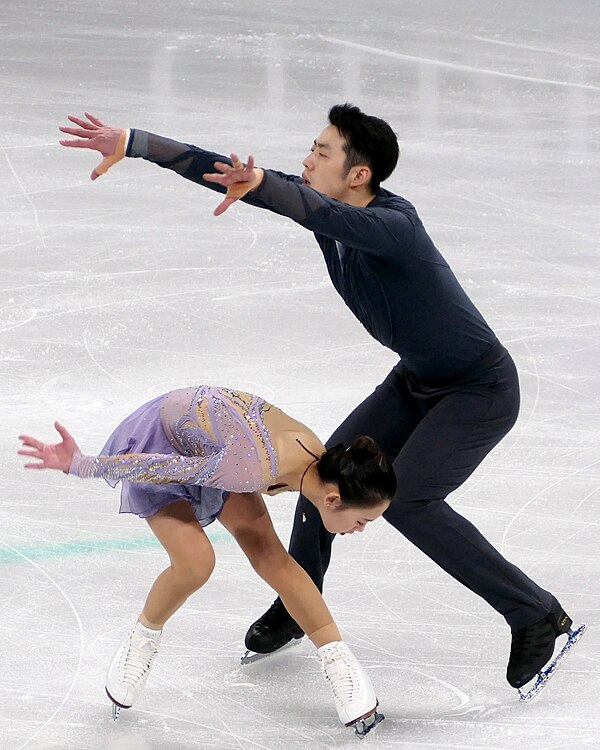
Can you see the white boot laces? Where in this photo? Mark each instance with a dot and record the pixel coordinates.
(138, 660)
(340, 673)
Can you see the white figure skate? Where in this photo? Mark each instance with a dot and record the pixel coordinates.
(130, 667)
(353, 692)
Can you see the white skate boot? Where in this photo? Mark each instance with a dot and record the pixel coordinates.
(353, 692)
(130, 667)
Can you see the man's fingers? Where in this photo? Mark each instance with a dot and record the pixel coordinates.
(228, 169)
(94, 119)
(239, 165)
(34, 466)
(223, 167)
(74, 144)
(236, 162)
(82, 123)
(77, 132)
(105, 165)
(223, 206)
(212, 177)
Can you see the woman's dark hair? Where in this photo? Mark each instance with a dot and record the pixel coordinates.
(362, 472)
(369, 140)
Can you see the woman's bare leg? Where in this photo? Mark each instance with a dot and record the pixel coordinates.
(246, 517)
(192, 562)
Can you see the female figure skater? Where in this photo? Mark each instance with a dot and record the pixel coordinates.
(195, 454)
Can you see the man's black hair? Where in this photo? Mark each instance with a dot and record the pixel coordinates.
(369, 140)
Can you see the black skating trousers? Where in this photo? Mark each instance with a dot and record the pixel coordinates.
(436, 435)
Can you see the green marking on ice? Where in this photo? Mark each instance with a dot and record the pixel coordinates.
(49, 550)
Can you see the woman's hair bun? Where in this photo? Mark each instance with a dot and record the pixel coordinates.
(362, 449)
(362, 472)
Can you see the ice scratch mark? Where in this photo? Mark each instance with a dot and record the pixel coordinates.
(103, 369)
(575, 473)
(20, 323)
(80, 627)
(456, 66)
(27, 198)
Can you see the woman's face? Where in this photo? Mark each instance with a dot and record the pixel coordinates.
(346, 519)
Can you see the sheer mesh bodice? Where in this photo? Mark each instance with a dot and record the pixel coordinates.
(220, 439)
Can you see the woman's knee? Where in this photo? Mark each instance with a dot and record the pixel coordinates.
(193, 571)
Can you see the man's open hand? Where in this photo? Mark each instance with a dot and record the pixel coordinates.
(92, 133)
(238, 178)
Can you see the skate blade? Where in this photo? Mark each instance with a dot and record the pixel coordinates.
(544, 676)
(362, 727)
(250, 657)
(116, 707)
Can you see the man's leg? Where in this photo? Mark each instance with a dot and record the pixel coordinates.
(388, 416)
(441, 453)
(460, 429)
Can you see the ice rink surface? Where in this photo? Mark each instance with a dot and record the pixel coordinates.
(116, 291)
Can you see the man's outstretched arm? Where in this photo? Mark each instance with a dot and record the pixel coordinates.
(227, 175)
(376, 230)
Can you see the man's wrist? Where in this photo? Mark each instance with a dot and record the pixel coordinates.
(259, 177)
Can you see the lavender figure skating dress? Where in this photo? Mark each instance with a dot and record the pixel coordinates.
(196, 444)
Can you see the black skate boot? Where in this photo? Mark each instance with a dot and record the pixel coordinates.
(532, 647)
(273, 630)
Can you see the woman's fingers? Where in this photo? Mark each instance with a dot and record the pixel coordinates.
(62, 431)
(31, 442)
(32, 454)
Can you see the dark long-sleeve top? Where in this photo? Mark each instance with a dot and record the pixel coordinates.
(380, 260)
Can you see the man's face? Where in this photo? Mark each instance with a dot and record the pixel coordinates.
(324, 166)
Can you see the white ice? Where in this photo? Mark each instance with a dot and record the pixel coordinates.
(118, 290)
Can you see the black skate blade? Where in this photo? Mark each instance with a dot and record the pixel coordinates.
(250, 657)
(546, 673)
(362, 727)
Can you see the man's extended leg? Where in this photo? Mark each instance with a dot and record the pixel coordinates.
(457, 433)
(462, 425)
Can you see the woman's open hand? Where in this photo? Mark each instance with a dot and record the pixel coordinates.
(58, 456)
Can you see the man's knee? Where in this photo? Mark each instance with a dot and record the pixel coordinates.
(402, 510)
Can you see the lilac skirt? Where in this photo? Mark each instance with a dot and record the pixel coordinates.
(142, 432)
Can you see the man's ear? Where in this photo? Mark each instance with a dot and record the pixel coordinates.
(361, 176)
